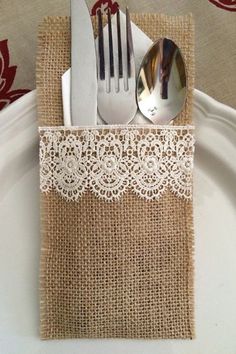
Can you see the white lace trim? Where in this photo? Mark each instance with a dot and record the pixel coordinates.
(108, 161)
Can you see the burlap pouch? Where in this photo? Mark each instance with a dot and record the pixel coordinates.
(121, 268)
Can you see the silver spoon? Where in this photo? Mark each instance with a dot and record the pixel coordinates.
(162, 82)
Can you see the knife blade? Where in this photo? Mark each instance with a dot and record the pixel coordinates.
(83, 66)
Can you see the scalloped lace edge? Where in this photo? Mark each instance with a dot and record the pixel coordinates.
(111, 160)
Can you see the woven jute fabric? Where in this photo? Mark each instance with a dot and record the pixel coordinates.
(122, 269)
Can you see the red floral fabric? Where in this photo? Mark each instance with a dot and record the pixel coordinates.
(7, 76)
(104, 5)
(229, 5)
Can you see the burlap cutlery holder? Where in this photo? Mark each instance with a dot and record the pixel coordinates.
(120, 268)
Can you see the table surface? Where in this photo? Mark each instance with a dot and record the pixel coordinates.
(215, 38)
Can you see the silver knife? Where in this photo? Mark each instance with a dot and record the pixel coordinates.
(83, 66)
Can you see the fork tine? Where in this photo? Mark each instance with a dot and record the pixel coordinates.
(120, 64)
(101, 46)
(129, 41)
(111, 56)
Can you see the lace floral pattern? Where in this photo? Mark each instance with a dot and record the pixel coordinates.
(108, 161)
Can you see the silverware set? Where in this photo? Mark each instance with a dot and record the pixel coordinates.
(103, 77)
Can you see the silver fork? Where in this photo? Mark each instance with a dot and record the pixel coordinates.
(116, 70)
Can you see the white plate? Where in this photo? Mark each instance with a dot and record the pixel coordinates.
(215, 227)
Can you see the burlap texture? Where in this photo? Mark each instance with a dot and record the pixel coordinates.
(122, 269)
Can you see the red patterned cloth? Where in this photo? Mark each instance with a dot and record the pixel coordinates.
(229, 5)
(7, 76)
(104, 5)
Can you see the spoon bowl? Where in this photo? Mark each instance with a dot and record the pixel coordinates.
(162, 82)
